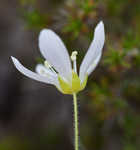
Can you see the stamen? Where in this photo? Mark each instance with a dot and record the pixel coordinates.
(47, 64)
(73, 58)
(73, 55)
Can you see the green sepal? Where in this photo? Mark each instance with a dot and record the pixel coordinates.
(76, 85)
(65, 87)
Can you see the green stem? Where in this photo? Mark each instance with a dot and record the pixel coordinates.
(75, 121)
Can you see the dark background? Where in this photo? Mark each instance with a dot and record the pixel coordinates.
(36, 116)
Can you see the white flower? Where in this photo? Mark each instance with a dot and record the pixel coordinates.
(57, 69)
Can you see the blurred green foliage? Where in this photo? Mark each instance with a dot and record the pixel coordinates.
(113, 93)
(35, 20)
(18, 142)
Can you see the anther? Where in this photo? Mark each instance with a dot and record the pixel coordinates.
(73, 55)
(47, 64)
(73, 58)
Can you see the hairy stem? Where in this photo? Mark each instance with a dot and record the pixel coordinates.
(76, 140)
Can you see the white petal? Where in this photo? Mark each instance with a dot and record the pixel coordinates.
(31, 74)
(94, 52)
(93, 66)
(55, 52)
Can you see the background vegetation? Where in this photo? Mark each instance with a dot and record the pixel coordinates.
(36, 116)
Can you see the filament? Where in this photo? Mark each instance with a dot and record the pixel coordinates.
(48, 65)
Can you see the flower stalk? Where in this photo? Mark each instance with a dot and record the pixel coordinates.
(76, 131)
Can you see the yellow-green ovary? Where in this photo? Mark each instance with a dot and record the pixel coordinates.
(74, 87)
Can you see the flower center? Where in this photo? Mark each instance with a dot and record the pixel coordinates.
(75, 86)
(69, 87)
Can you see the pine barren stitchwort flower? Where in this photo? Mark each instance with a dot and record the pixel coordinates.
(57, 68)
